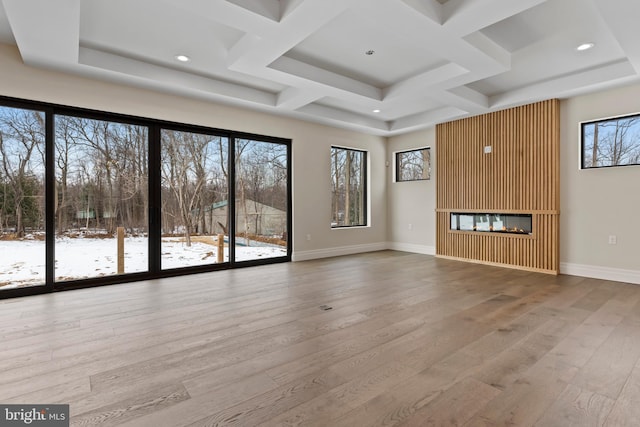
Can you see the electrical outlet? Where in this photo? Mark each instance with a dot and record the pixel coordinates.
(410, 226)
(613, 239)
(308, 236)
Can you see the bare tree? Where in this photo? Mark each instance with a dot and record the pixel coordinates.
(186, 171)
(22, 154)
(241, 186)
(347, 186)
(413, 165)
(63, 146)
(612, 143)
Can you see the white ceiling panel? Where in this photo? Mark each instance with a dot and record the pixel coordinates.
(351, 36)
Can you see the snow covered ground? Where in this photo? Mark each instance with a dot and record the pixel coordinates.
(22, 263)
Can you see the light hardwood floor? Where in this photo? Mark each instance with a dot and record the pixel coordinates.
(409, 340)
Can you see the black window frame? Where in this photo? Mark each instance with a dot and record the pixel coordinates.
(365, 187)
(154, 181)
(583, 143)
(397, 168)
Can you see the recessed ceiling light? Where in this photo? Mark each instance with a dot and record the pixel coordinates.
(370, 52)
(585, 46)
(182, 58)
(376, 111)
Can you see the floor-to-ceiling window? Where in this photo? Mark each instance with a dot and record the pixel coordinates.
(90, 198)
(195, 191)
(101, 198)
(261, 222)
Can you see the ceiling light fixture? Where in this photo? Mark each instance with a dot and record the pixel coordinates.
(585, 46)
(376, 111)
(182, 58)
(370, 52)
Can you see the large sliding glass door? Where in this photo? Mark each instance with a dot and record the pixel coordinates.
(90, 198)
(195, 195)
(101, 198)
(22, 198)
(262, 205)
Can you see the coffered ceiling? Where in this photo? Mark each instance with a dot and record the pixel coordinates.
(380, 66)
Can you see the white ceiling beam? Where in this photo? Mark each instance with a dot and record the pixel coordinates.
(165, 76)
(423, 81)
(425, 119)
(617, 73)
(491, 49)
(344, 117)
(293, 98)
(463, 98)
(326, 78)
(270, 9)
(243, 47)
(471, 96)
(309, 16)
(462, 17)
(287, 7)
(428, 8)
(44, 30)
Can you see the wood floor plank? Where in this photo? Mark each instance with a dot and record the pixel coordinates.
(520, 404)
(340, 400)
(399, 403)
(115, 414)
(609, 368)
(455, 406)
(59, 394)
(577, 407)
(594, 299)
(218, 399)
(515, 361)
(263, 407)
(297, 361)
(409, 340)
(626, 410)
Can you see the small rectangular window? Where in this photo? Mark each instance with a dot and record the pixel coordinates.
(413, 165)
(610, 142)
(348, 187)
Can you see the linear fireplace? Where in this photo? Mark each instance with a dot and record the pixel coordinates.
(492, 222)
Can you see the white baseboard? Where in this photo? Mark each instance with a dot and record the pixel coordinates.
(598, 272)
(409, 247)
(339, 251)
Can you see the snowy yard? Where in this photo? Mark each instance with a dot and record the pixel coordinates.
(22, 263)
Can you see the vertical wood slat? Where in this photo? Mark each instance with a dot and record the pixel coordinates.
(520, 175)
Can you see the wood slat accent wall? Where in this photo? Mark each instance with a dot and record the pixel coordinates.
(520, 175)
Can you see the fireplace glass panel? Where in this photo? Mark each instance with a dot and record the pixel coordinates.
(492, 222)
(466, 222)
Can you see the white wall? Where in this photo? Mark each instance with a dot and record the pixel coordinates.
(597, 203)
(311, 146)
(412, 202)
